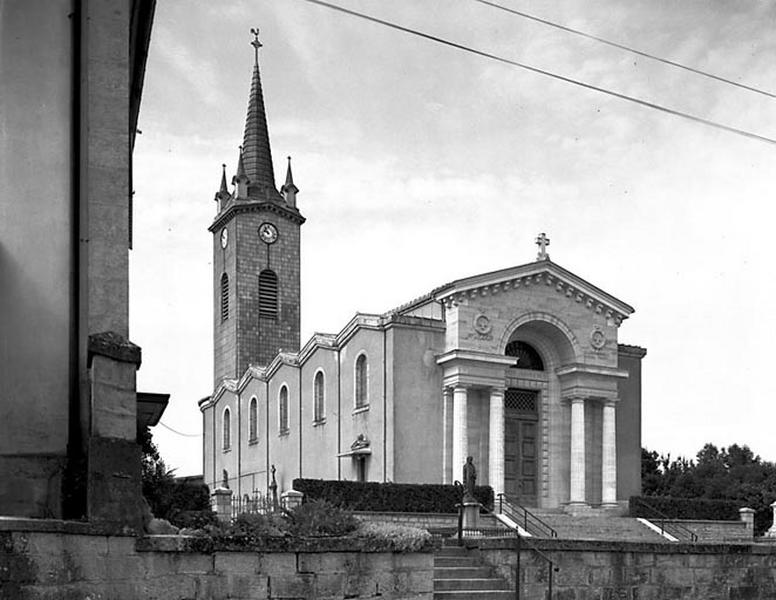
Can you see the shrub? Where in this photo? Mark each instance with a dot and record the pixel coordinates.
(319, 518)
(401, 537)
(193, 519)
(248, 530)
(684, 508)
(390, 497)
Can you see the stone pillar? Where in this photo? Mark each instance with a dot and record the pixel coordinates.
(113, 476)
(609, 456)
(460, 429)
(291, 499)
(496, 442)
(221, 503)
(577, 484)
(771, 533)
(747, 516)
(447, 413)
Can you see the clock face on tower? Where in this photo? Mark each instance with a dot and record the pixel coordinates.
(268, 233)
(224, 237)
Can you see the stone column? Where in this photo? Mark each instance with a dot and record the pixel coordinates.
(577, 487)
(447, 414)
(460, 430)
(496, 442)
(609, 456)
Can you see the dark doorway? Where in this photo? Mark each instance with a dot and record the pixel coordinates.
(521, 456)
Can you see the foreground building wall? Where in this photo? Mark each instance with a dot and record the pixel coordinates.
(72, 73)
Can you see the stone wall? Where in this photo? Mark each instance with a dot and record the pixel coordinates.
(638, 571)
(717, 531)
(57, 560)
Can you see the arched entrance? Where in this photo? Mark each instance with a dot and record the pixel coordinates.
(521, 428)
(541, 344)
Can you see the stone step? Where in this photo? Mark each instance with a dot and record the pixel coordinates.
(475, 594)
(455, 561)
(487, 583)
(462, 572)
(452, 550)
(599, 528)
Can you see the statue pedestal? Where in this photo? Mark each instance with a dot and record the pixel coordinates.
(471, 515)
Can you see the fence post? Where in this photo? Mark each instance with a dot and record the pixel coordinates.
(221, 502)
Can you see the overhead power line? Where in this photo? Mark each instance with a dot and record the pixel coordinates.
(191, 435)
(627, 48)
(576, 82)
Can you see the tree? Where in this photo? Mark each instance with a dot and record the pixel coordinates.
(734, 473)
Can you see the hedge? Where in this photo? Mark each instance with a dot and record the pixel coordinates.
(390, 497)
(700, 509)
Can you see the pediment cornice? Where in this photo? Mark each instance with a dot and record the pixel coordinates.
(540, 273)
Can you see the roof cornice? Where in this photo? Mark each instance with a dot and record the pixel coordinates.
(247, 206)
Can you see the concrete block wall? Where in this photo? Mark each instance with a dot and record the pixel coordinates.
(38, 565)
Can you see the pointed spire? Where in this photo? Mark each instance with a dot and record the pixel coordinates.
(256, 148)
(222, 195)
(289, 190)
(241, 180)
(224, 191)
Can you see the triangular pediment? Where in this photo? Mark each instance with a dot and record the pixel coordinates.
(542, 272)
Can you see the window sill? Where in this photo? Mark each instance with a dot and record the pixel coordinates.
(360, 409)
(226, 450)
(319, 422)
(253, 442)
(283, 432)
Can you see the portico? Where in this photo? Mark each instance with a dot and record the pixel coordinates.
(531, 386)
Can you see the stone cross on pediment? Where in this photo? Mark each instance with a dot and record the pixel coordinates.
(542, 241)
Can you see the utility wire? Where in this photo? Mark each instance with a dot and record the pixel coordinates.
(191, 435)
(626, 48)
(576, 82)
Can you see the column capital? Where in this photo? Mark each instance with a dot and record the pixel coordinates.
(610, 402)
(576, 399)
(459, 387)
(494, 391)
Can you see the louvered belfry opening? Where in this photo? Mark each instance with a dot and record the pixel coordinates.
(224, 297)
(268, 294)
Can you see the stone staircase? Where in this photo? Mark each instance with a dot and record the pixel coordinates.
(606, 528)
(460, 575)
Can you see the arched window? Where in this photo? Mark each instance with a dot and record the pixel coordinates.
(527, 356)
(283, 410)
(226, 436)
(268, 294)
(224, 297)
(318, 409)
(253, 418)
(362, 398)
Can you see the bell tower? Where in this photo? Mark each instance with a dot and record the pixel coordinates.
(256, 238)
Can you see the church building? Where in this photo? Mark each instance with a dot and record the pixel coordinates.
(519, 368)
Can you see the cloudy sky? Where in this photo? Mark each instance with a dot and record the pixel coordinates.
(419, 164)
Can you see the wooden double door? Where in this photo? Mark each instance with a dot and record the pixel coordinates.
(521, 445)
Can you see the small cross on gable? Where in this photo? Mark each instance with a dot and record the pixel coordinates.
(542, 241)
